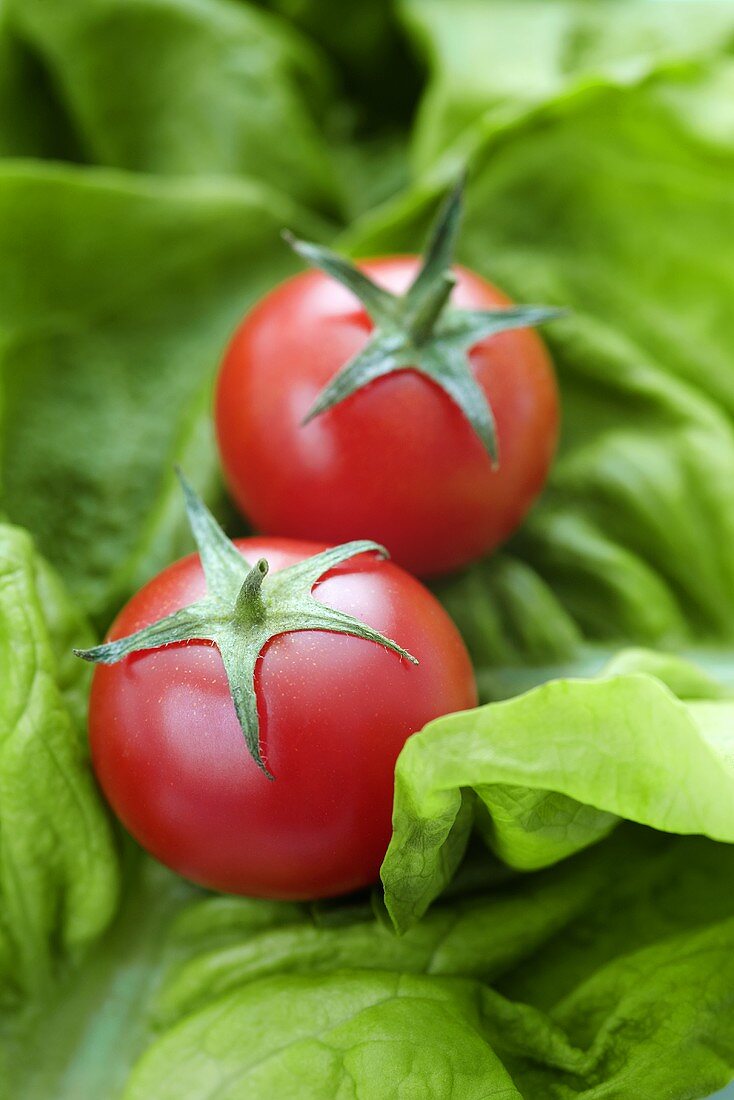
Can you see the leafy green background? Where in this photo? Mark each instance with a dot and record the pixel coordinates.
(151, 152)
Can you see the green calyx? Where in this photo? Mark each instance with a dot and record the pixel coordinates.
(244, 607)
(419, 330)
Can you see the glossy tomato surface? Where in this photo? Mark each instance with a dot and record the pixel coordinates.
(334, 713)
(396, 461)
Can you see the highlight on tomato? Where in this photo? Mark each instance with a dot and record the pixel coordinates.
(402, 399)
(250, 702)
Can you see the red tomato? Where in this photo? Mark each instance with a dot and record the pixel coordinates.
(334, 713)
(397, 461)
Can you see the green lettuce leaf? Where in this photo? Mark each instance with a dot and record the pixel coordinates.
(58, 867)
(189, 88)
(364, 47)
(552, 771)
(353, 1034)
(470, 932)
(495, 58)
(82, 1036)
(374, 1034)
(509, 616)
(32, 122)
(117, 296)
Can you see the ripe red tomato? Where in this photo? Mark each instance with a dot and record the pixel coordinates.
(397, 461)
(334, 713)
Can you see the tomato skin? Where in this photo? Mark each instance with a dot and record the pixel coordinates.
(396, 461)
(334, 713)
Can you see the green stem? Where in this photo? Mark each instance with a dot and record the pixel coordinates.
(249, 607)
(430, 309)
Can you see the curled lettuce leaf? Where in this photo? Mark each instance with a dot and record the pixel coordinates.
(58, 867)
(550, 772)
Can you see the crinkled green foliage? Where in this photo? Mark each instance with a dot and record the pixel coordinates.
(58, 868)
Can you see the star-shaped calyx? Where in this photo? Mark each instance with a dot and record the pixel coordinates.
(244, 607)
(420, 330)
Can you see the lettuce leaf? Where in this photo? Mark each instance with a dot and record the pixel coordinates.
(32, 122)
(495, 58)
(550, 772)
(58, 867)
(117, 296)
(313, 1037)
(368, 1034)
(180, 88)
(565, 981)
